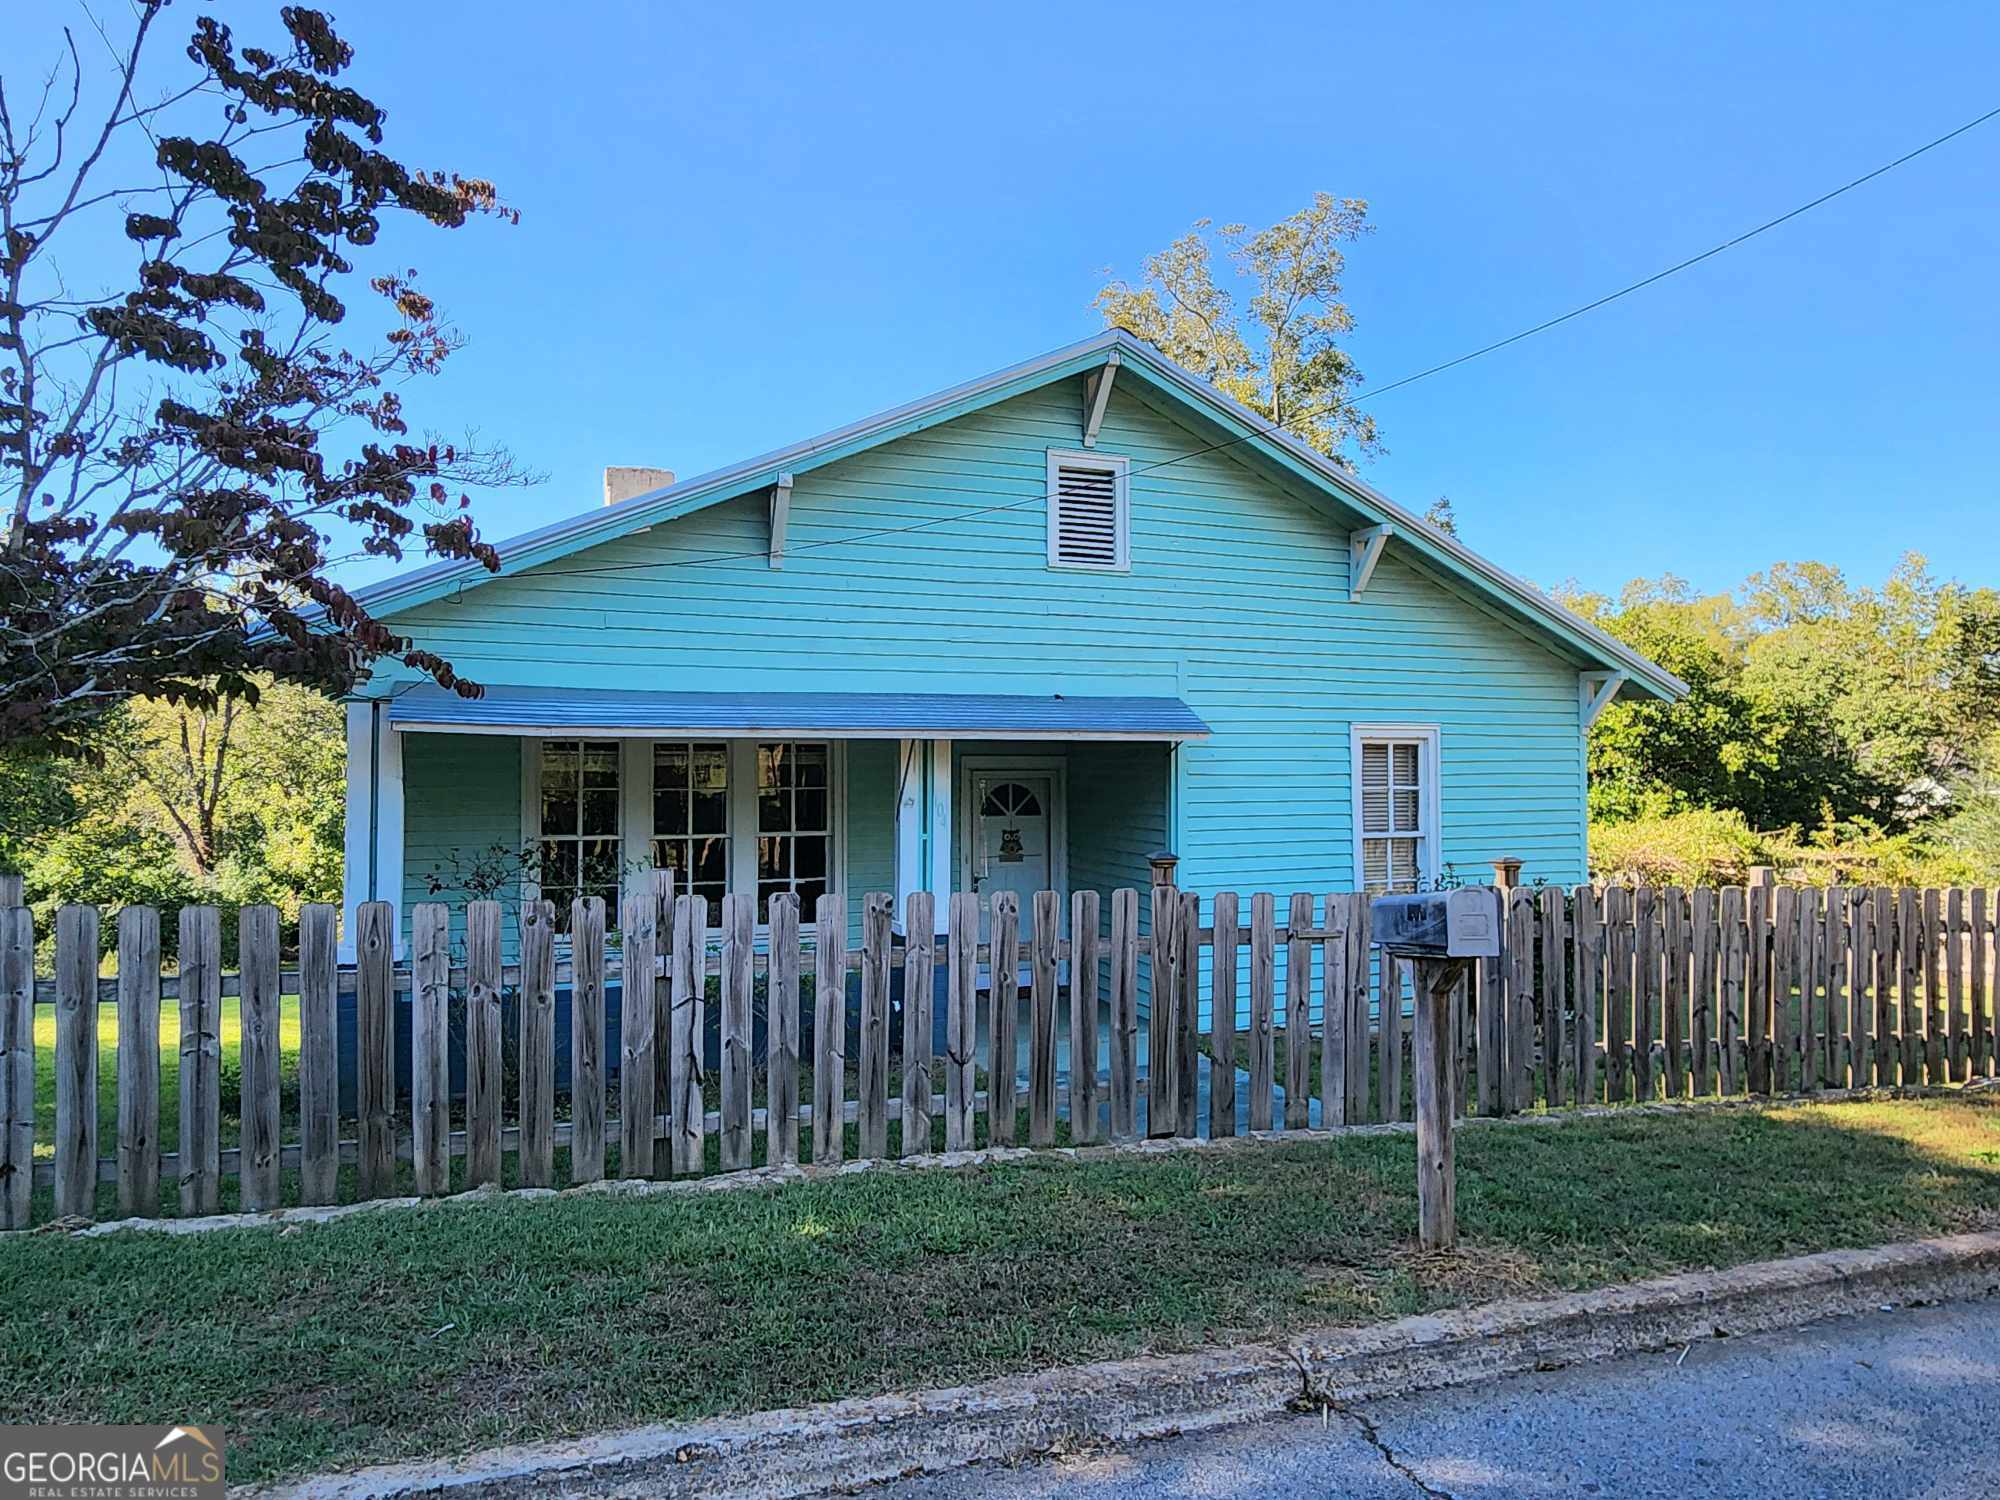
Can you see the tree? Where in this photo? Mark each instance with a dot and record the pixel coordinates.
(1442, 514)
(175, 450)
(1284, 360)
(1813, 704)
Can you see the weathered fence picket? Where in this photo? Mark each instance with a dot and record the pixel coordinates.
(483, 1040)
(687, 1030)
(260, 1050)
(430, 1047)
(1124, 1071)
(877, 919)
(319, 1053)
(739, 926)
(375, 1047)
(830, 1024)
(919, 986)
(76, 1062)
(138, 1062)
(962, 1021)
(1263, 1002)
(1084, 989)
(1042, 1019)
(586, 1039)
(781, 1034)
(1222, 1017)
(1554, 974)
(1003, 1022)
(535, 1067)
(200, 1082)
(17, 1065)
(1298, 1016)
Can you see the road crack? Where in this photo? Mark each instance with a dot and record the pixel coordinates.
(1315, 1397)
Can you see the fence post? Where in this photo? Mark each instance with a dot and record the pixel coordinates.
(1490, 1015)
(1437, 1173)
(1163, 1012)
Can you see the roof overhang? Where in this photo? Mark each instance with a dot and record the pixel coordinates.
(558, 712)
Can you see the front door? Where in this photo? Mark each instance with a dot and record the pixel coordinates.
(1013, 833)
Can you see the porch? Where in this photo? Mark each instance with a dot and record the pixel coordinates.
(558, 795)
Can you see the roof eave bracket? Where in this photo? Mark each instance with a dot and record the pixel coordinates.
(1364, 551)
(1594, 692)
(781, 515)
(1097, 396)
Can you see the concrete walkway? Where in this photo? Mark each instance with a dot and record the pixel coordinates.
(1891, 1406)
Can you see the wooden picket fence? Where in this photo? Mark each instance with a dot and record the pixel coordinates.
(1601, 994)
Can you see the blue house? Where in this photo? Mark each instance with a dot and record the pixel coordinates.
(1022, 634)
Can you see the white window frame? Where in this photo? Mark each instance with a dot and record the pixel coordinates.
(635, 803)
(1122, 498)
(1430, 759)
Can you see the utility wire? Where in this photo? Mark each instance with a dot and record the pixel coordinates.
(1383, 390)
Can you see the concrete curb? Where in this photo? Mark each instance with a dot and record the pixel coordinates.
(809, 1450)
(766, 1177)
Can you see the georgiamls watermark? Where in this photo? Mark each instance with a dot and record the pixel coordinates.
(111, 1463)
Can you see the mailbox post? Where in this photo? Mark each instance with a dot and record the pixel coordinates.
(1440, 933)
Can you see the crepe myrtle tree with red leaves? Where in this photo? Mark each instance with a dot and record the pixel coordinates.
(181, 446)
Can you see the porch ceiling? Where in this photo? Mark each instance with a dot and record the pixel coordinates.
(879, 716)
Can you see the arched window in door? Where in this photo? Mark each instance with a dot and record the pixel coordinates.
(1010, 800)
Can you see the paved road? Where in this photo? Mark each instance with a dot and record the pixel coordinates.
(1895, 1405)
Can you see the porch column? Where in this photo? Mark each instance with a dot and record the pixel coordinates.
(923, 825)
(373, 865)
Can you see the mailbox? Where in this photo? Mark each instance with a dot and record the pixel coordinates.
(1463, 923)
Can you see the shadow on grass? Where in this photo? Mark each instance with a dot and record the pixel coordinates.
(465, 1325)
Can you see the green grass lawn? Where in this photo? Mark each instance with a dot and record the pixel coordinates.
(230, 1037)
(464, 1325)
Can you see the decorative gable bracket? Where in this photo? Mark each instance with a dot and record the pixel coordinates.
(1594, 692)
(1364, 551)
(1097, 396)
(781, 515)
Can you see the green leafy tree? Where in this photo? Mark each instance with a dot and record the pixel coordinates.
(1281, 357)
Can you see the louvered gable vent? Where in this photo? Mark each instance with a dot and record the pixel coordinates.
(1087, 512)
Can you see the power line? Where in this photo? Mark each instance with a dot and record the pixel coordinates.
(1394, 385)
(1625, 291)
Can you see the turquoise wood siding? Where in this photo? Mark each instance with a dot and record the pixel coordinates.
(1237, 601)
(871, 825)
(461, 795)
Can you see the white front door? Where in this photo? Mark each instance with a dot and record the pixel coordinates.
(1013, 835)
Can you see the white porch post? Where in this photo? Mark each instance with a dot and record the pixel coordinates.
(373, 866)
(923, 825)
(940, 872)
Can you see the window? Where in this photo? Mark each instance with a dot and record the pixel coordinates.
(1089, 513)
(1395, 807)
(578, 841)
(794, 823)
(691, 818)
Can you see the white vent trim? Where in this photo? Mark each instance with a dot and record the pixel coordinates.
(1090, 512)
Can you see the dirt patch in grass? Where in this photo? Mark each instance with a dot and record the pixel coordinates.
(456, 1327)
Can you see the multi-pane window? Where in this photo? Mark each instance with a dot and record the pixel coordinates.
(794, 823)
(691, 818)
(1394, 806)
(578, 840)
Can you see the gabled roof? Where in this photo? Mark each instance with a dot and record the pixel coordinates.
(1244, 427)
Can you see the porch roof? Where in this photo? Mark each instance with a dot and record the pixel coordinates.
(877, 716)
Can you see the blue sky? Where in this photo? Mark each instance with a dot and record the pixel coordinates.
(742, 225)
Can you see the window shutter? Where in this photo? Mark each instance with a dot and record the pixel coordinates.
(1087, 526)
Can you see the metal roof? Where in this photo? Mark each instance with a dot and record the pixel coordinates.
(542, 711)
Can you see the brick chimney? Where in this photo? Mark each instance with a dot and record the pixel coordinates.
(622, 482)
